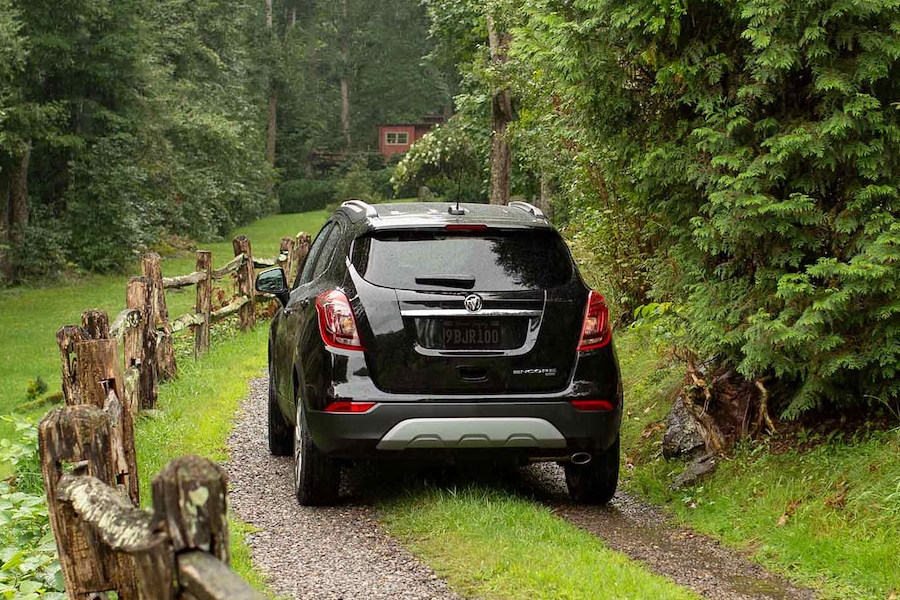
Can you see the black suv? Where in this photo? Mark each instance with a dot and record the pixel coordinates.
(442, 331)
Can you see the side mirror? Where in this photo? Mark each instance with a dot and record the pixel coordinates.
(273, 282)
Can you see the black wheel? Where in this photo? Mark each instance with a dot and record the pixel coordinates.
(317, 478)
(280, 431)
(595, 482)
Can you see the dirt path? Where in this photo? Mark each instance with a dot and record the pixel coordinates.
(341, 553)
(645, 533)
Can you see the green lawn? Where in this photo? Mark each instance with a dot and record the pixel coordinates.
(827, 516)
(195, 414)
(30, 317)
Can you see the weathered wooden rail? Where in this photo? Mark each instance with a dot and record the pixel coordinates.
(106, 543)
(147, 331)
(180, 550)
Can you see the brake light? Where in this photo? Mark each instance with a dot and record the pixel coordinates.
(465, 227)
(595, 405)
(336, 321)
(345, 406)
(595, 332)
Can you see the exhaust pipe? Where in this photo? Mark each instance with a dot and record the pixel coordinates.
(580, 458)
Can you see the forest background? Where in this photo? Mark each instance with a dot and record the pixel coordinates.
(732, 165)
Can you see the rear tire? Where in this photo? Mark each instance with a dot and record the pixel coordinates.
(280, 431)
(317, 478)
(595, 482)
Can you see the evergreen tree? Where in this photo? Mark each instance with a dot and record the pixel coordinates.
(762, 139)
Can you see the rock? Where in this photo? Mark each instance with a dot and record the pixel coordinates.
(697, 470)
(683, 436)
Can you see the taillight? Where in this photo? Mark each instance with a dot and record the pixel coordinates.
(336, 321)
(595, 332)
(593, 405)
(466, 227)
(346, 406)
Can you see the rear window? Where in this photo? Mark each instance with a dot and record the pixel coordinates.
(495, 261)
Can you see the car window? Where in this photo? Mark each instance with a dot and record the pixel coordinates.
(484, 260)
(323, 261)
(306, 274)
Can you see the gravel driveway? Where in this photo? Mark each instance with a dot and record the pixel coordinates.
(341, 553)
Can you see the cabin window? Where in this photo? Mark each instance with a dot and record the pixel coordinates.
(397, 138)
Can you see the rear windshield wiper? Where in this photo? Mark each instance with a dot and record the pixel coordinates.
(466, 282)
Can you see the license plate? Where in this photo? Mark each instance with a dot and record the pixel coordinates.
(470, 333)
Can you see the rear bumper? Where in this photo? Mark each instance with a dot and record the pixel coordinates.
(532, 430)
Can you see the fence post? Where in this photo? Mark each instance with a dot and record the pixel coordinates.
(245, 282)
(66, 338)
(95, 324)
(204, 303)
(140, 343)
(301, 249)
(76, 440)
(151, 268)
(190, 503)
(101, 384)
(285, 257)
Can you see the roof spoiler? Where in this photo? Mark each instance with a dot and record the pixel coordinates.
(529, 208)
(360, 207)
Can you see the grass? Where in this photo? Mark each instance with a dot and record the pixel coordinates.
(489, 544)
(30, 317)
(196, 410)
(195, 415)
(827, 517)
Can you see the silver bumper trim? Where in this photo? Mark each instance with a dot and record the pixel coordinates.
(472, 432)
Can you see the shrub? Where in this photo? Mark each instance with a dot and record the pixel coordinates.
(28, 565)
(765, 140)
(356, 182)
(304, 195)
(42, 255)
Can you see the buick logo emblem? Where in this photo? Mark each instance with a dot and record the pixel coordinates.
(473, 302)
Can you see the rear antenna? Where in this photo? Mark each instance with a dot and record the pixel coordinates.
(457, 211)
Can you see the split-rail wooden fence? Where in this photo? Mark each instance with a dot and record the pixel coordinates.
(107, 543)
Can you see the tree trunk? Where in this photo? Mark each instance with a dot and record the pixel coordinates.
(546, 193)
(14, 212)
(5, 264)
(273, 124)
(501, 115)
(273, 107)
(345, 77)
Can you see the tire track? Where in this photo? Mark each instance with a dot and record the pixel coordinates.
(341, 553)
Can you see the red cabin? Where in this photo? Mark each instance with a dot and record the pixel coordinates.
(397, 139)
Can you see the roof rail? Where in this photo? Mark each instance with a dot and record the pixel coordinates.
(529, 208)
(361, 207)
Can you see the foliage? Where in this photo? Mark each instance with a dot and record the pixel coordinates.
(449, 160)
(140, 119)
(356, 182)
(37, 387)
(737, 157)
(20, 451)
(378, 48)
(42, 255)
(28, 565)
(844, 527)
(302, 195)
